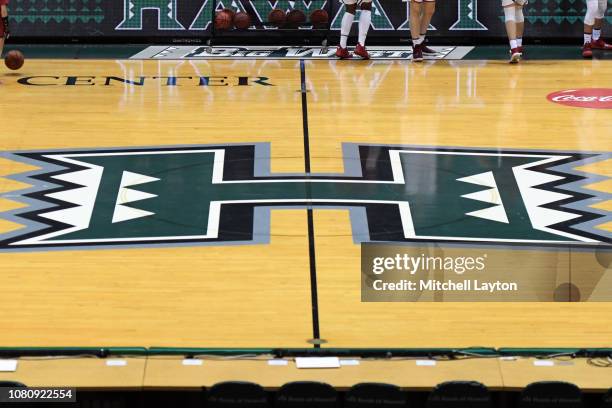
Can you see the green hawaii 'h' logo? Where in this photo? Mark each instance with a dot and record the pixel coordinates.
(223, 194)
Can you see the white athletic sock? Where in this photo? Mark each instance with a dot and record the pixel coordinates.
(364, 25)
(596, 34)
(345, 30)
(513, 44)
(417, 41)
(519, 42)
(587, 38)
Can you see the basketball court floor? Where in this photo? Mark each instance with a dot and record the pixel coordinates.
(140, 257)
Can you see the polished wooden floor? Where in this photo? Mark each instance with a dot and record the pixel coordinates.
(260, 295)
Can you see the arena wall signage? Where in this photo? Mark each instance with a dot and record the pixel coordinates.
(192, 18)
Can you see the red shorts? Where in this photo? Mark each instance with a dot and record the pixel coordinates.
(2, 3)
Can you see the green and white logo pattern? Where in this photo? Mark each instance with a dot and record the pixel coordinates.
(224, 194)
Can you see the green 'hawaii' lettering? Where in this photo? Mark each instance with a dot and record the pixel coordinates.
(467, 16)
(166, 14)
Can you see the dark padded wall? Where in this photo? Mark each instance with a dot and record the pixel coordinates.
(184, 19)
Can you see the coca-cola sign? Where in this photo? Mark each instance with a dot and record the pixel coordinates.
(596, 98)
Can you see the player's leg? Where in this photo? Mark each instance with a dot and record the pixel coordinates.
(429, 8)
(520, 26)
(510, 20)
(416, 11)
(3, 26)
(350, 8)
(365, 19)
(596, 41)
(589, 22)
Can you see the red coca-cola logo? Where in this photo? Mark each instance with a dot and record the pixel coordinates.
(595, 98)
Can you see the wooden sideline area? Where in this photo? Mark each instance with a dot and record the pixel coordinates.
(181, 372)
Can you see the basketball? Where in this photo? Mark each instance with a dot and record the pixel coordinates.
(242, 20)
(296, 18)
(14, 60)
(223, 20)
(231, 12)
(277, 17)
(319, 18)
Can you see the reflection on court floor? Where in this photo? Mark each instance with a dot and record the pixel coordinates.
(191, 203)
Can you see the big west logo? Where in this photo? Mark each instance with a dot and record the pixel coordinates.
(167, 11)
(223, 194)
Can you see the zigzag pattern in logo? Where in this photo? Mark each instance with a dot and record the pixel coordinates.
(572, 182)
(54, 192)
(63, 191)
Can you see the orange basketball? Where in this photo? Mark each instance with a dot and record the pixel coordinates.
(14, 60)
(223, 20)
(319, 18)
(296, 18)
(277, 17)
(242, 20)
(231, 12)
